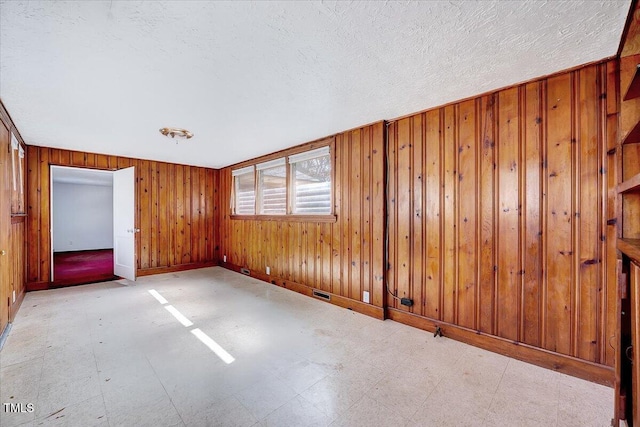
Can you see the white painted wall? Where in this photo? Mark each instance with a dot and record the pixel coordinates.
(82, 217)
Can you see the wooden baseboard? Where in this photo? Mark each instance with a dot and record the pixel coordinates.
(569, 365)
(348, 303)
(174, 268)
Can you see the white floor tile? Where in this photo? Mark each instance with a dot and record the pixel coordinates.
(298, 412)
(265, 397)
(110, 354)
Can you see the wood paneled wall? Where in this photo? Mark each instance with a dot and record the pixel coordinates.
(344, 257)
(12, 226)
(175, 212)
(5, 227)
(498, 214)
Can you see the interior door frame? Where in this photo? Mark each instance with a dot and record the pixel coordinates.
(52, 201)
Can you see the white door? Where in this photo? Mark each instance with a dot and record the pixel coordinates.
(124, 229)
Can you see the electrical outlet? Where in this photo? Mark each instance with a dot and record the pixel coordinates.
(365, 296)
(224, 258)
(14, 296)
(268, 270)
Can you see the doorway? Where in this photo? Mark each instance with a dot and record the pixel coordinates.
(82, 225)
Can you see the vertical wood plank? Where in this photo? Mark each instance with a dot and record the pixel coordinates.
(392, 212)
(378, 213)
(403, 203)
(186, 241)
(45, 216)
(355, 194)
(164, 224)
(144, 209)
(433, 220)
(179, 218)
(417, 232)
(345, 224)
(450, 173)
(559, 221)
(467, 194)
(154, 247)
(33, 214)
(507, 215)
(367, 233)
(336, 233)
(487, 261)
(587, 213)
(531, 210)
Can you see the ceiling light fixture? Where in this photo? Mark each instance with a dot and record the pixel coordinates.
(176, 133)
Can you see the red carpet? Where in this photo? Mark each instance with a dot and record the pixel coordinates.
(74, 268)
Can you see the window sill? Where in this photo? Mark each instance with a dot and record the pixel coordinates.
(291, 218)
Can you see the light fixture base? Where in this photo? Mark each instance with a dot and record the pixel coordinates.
(176, 133)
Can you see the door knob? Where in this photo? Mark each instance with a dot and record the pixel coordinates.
(3, 252)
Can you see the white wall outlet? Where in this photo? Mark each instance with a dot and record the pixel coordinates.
(268, 270)
(14, 295)
(365, 296)
(224, 258)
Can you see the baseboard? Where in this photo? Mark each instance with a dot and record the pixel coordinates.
(569, 365)
(344, 302)
(174, 268)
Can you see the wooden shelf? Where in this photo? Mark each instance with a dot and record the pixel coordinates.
(633, 135)
(631, 248)
(632, 184)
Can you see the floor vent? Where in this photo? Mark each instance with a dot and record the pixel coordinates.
(245, 271)
(320, 294)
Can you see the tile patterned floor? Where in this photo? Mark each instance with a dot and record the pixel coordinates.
(110, 354)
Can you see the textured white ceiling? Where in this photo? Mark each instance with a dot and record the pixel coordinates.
(250, 78)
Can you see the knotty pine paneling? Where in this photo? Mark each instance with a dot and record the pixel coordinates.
(497, 214)
(344, 257)
(6, 263)
(176, 210)
(12, 225)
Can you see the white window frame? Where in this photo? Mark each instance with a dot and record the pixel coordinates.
(286, 160)
(234, 199)
(303, 156)
(260, 169)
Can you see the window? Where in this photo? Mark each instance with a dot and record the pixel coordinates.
(311, 182)
(244, 191)
(272, 187)
(17, 164)
(298, 184)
